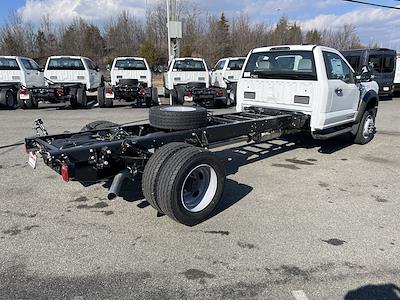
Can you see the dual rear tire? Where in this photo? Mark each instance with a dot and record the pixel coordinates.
(184, 182)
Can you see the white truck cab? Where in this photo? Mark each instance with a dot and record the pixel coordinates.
(182, 71)
(131, 81)
(73, 69)
(130, 68)
(229, 68)
(312, 80)
(16, 72)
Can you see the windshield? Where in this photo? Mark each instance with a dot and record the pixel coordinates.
(236, 64)
(65, 63)
(189, 65)
(130, 64)
(8, 64)
(297, 65)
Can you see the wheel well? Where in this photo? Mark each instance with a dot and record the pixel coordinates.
(372, 103)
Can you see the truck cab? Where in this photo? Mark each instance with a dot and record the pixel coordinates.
(227, 70)
(73, 70)
(17, 71)
(313, 80)
(131, 81)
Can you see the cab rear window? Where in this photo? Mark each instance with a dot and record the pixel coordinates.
(65, 63)
(130, 64)
(8, 64)
(189, 65)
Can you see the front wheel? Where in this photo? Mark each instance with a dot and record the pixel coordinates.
(366, 129)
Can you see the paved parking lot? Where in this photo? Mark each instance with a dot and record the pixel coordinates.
(298, 221)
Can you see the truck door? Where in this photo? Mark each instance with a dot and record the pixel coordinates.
(38, 74)
(343, 93)
(30, 73)
(217, 74)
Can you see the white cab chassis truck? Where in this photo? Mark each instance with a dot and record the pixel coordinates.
(188, 79)
(131, 80)
(282, 90)
(226, 74)
(68, 78)
(17, 72)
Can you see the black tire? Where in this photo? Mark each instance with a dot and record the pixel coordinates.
(180, 96)
(174, 96)
(151, 172)
(206, 190)
(154, 97)
(109, 102)
(72, 98)
(366, 128)
(31, 103)
(81, 97)
(101, 97)
(98, 125)
(8, 98)
(166, 93)
(178, 117)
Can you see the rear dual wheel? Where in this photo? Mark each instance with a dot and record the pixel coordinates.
(8, 98)
(184, 182)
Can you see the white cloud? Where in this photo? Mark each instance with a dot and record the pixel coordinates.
(67, 10)
(373, 24)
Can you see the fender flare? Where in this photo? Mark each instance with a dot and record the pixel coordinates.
(370, 99)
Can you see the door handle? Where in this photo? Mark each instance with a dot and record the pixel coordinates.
(339, 91)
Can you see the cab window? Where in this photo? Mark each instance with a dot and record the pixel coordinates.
(27, 64)
(220, 65)
(337, 68)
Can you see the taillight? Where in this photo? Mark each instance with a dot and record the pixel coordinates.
(109, 90)
(65, 172)
(219, 93)
(142, 91)
(60, 92)
(23, 91)
(189, 94)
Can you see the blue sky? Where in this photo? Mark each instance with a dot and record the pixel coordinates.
(373, 24)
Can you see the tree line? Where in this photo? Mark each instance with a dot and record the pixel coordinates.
(207, 35)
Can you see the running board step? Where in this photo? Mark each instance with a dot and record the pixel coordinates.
(325, 136)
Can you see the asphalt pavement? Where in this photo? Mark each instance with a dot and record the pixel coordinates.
(298, 220)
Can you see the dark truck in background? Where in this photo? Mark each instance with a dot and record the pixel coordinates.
(383, 63)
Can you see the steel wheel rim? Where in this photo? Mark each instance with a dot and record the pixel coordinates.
(199, 188)
(369, 127)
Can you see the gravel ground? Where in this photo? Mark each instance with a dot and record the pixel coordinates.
(303, 220)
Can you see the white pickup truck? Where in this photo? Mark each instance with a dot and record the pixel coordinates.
(396, 81)
(131, 80)
(188, 79)
(315, 81)
(226, 74)
(17, 72)
(68, 78)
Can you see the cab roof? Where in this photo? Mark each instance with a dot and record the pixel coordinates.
(286, 48)
(130, 57)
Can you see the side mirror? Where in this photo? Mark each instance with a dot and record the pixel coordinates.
(41, 69)
(97, 69)
(108, 67)
(365, 74)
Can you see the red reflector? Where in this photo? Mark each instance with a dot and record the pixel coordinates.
(59, 92)
(188, 94)
(109, 90)
(219, 93)
(26, 148)
(23, 91)
(65, 172)
(142, 91)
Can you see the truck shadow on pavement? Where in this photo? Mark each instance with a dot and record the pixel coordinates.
(236, 157)
(373, 292)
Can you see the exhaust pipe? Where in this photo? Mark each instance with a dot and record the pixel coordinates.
(116, 185)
